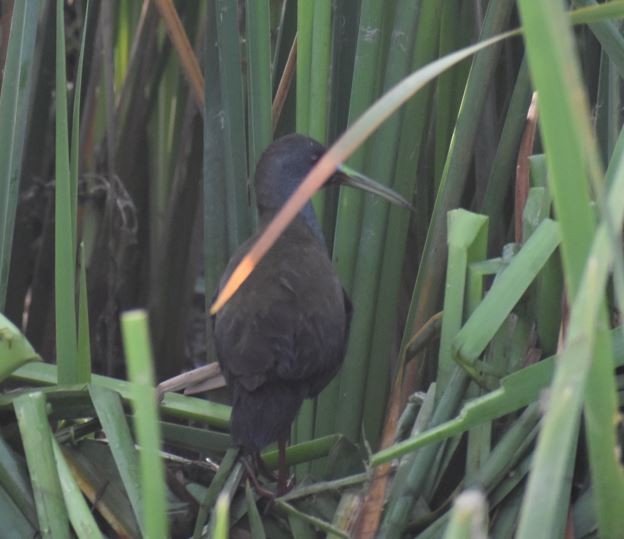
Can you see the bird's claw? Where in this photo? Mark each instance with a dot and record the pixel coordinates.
(258, 487)
(290, 484)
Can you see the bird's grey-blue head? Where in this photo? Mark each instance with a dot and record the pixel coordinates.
(280, 170)
(284, 165)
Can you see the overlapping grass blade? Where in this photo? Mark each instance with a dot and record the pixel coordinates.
(303, 428)
(84, 338)
(221, 515)
(415, 122)
(137, 347)
(467, 243)
(65, 251)
(222, 519)
(110, 412)
(74, 154)
(259, 76)
(14, 101)
(216, 212)
(397, 515)
(318, 93)
(452, 31)
(517, 390)
(384, 147)
(570, 152)
(213, 491)
(80, 515)
(428, 282)
(14, 481)
(609, 36)
(15, 524)
(15, 350)
(364, 88)
(255, 521)
(504, 164)
(32, 418)
(303, 452)
(171, 404)
(240, 215)
(507, 290)
(305, 22)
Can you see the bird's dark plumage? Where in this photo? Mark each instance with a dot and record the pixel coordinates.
(282, 336)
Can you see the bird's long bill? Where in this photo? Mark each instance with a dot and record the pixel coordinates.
(352, 178)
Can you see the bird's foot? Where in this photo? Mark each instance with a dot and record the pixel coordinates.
(258, 487)
(256, 468)
(262, 469)
(286, 487)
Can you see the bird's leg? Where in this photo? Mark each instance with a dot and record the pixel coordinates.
(265, 493)
(283, 484)
(261, 467)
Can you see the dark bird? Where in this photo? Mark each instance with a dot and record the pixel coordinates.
(282, 337)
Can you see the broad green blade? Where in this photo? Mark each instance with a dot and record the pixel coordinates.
(14, 102)
(428, 286)
(467, 243)
(84, 338)
(221, 515)
(586, 371)
(222, 519)
(74, 156)
(255, 521)
(240, 215)
(37, 439)
(412, 141)
(259, 78)
(507, 290)
(213, 491)
(15, 482)
(64, 234)
(80, 514)
(364, 87)
(609, 36)
(367, 70)
(113, 420)
(172, 404)
(15, 350)
(366, 277)
(15, 525)
(138, 351)
(517, 390)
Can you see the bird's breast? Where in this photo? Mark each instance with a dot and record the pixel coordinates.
(288, 321)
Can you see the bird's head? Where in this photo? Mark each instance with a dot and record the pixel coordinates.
(287, 161)
(282, 167)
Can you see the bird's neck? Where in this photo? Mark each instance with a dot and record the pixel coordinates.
(306, 215)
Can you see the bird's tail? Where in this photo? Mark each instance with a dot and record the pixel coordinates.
(264, 415)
